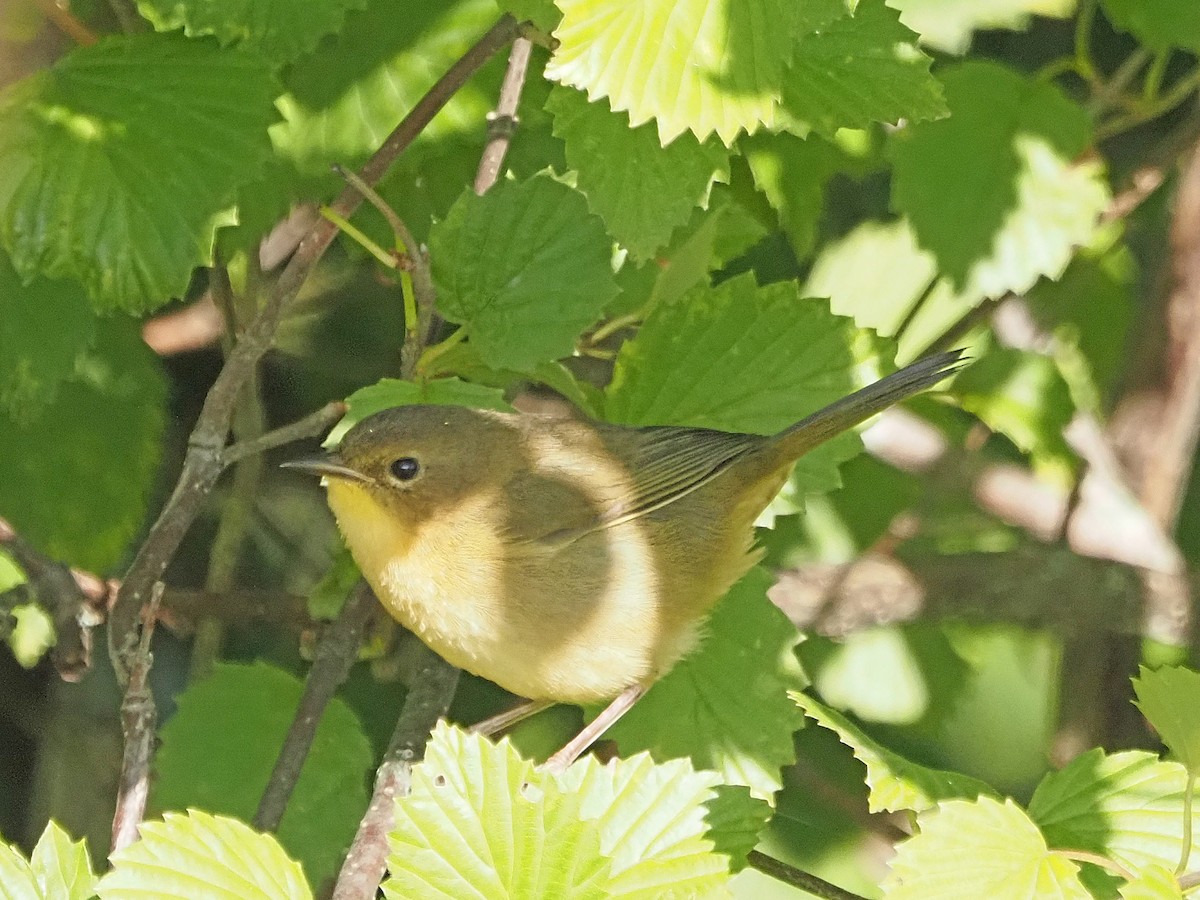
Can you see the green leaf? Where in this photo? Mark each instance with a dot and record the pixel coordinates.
(279, 29)
(220, 746)
(1023, 396)
(1169, 699)
(32, 635)
(688, 64)
(895, 782)
(994, 192)
(109, 167)
(1152, 883)
(1127, 807)
(711, 238)
(948, 24)
(346, 97)
(74, 477)
(525, 268)
(735, 820)
(481, 821)
(31, 366)
(876, 274)
(792, 174)
(389, 392)
(62, 867)
(740, 357)
(731, 693)
(859, 69)
(642, 190)
(981, 848)
(16, 875)
(1158, 23)
(1090, 310)
(329, 595)
(542, 13)
(201, 856)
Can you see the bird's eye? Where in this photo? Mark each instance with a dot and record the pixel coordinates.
(405, 468)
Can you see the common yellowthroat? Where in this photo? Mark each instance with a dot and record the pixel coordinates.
(566, 560)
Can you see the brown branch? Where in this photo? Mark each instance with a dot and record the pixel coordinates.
(806, 881)
(67, 23)
(64, 596)
(203, 464)
(502, 122)
(428, 700)
(138, 719)
(335, 655)
(312, 425)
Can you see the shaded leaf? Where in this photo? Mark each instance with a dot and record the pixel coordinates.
(31, 364)
(895, 782)
(1158, 23)
(280, 29)
(112, 407)
(345, 98)
(731, 693)
(220, 746)
(642, 190)
(1169, 699)
(993, 191)
(525, 268)
(1023, 396)
(862, 67)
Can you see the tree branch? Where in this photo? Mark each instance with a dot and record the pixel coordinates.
(312, 425)
(428, 700)
(502, 122)
(335, 655)
(781, 871)
(138, 719)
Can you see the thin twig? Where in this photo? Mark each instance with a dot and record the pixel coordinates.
(502, 122)
(67, 23)
(428, 700)
(203, 462)
(249, 422)
(138, 719)
(424, 298)
(312, 425)
(335, 655)
(62, 594)
(781, 871)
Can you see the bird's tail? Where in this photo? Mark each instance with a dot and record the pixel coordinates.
(796, 440)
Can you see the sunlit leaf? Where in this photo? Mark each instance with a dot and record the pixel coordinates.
(107, 169)
(201, 856)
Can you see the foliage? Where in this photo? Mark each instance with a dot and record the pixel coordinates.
(722, 214)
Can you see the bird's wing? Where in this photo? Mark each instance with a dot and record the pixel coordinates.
(653, 468)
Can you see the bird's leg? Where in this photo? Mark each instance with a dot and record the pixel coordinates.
(557, 764)
(494, 725)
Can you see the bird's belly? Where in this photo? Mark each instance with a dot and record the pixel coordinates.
(536, 627)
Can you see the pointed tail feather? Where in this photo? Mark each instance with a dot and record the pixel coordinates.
(795, 441)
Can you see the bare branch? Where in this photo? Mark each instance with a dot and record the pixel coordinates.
(312, 425)
(428, 700)
(806, 881)
(138, 719)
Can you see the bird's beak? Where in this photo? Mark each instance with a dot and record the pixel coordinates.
(328, 464)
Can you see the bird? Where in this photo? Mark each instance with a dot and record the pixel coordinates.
(567, 560)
